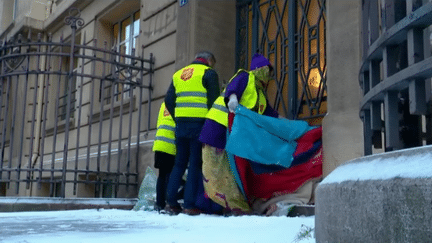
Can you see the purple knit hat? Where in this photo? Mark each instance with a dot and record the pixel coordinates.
(258, 61)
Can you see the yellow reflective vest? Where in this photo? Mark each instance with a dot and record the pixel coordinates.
(262, 102)
(219, 111)
(165, 134)
(191, 95)
(253, 98)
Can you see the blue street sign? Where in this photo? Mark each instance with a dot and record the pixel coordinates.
(183, 2)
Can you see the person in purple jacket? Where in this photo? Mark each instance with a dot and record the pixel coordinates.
(248, 89)
(245, 88)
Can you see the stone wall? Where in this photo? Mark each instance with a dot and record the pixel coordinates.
(208, 25)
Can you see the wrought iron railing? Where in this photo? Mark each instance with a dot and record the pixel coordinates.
(395, 74)
(71, 116)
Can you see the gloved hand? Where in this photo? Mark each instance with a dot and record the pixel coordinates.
(232, 103)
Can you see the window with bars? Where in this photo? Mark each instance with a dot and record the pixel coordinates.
(126, 34)
(52, 6)
(51, 189)
(125, 42)
(5, 112)
(15, 10)
(64, 91)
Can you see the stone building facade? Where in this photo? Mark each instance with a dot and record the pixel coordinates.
(114, 138)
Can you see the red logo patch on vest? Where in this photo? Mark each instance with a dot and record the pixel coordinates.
(261, 107)
(166, 112)
(187, 74)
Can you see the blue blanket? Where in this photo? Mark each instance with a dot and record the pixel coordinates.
(263, 139)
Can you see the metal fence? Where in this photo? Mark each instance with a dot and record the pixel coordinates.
(71, 115)
(395, 74)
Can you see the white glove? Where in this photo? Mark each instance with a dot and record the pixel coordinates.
(232, 103)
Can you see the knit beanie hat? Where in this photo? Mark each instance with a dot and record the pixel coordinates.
(258, 61)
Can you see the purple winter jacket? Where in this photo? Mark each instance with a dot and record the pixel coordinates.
(213, 133)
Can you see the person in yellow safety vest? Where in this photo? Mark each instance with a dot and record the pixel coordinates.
(165, 151)
(248, 87)
(189, 97)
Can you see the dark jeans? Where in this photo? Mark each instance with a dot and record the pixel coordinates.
(164, 162)
(189, 151)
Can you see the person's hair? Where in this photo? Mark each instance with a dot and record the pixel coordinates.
(206, 55)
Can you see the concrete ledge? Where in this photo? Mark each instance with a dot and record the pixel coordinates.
(18, 204)
(379, 198)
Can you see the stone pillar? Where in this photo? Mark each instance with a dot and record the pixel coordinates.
(342, 126)
(207, 25)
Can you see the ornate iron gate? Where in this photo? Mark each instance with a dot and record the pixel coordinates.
(291, 34)
(71, 116)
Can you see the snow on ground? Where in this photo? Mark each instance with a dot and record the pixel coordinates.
(93, 226)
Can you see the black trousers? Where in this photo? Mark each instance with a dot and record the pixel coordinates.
(189, 156)
(164, 162)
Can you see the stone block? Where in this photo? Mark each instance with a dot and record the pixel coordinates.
(379, 198)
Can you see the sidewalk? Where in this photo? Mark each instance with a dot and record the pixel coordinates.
(20, 204)
(112, 225)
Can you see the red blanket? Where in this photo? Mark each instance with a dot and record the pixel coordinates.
(266, 185)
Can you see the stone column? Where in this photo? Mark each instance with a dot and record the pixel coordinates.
(342, 126)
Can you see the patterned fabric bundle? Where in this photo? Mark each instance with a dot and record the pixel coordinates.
(219, 182)
(245, 186)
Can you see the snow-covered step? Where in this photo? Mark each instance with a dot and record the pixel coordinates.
(379, 198)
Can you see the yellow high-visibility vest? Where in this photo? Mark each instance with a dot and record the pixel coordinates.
(165, 134)
(262, 102)
(252, 98)
(191, 95)
(219, 111)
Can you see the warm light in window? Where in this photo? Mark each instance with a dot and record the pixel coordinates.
(314, 78)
